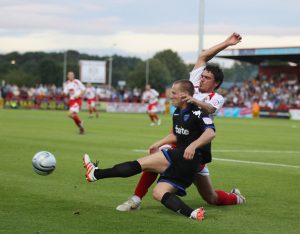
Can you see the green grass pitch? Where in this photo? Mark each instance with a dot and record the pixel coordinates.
(64, 202)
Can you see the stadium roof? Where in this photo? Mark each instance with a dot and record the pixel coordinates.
(259, 55)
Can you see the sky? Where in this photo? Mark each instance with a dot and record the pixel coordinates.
(141, 28)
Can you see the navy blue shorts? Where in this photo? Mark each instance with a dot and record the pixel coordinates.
(181, 172)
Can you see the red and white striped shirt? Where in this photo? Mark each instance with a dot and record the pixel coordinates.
(150, 96)
(90, 93)
(73, 88)
(215, 99)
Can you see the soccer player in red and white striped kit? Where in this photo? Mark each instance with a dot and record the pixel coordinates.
(150, 96)
(206, 80)
(90, 94)
(75, 91)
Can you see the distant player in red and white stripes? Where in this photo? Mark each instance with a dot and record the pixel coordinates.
(75, 91)
(90, 94)
(150, 96)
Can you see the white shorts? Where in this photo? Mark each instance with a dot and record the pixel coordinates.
(91, 102)
(74, 105)
(75, 108)
(152, 108)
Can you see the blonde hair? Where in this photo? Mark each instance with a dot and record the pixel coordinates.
(186, 86)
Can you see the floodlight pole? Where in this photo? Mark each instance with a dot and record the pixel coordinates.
(201, 25)
(147, 71)
(110, 59)
(65, 66)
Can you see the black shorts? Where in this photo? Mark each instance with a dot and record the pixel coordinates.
(181, 172)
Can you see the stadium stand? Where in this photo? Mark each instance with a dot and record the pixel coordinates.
(272, 93)
(276, 87)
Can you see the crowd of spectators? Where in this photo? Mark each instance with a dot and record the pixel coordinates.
(272, 93)
(51, 92)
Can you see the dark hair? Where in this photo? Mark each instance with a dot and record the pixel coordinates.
(217, 72)
(186, 86)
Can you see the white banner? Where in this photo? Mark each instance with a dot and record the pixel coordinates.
(295, 114)
(92, 71)
(126, 107)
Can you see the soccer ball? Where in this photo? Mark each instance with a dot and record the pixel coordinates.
(43, 163)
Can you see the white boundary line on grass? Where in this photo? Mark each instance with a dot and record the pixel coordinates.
(259, 151)
(242, 161)
(257, 163)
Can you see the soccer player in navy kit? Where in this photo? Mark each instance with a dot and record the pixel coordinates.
(193, 132)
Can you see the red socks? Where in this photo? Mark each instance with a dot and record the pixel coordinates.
(151, 118)
(155, 118)
(146, 180)
(77, 120)
(226, 198)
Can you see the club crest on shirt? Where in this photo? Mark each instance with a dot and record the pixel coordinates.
(186, 117)
(197, 113)
(215, 102)
(206, 99)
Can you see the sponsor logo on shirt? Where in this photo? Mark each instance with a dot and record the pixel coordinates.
(207, 120)
(215, 102)
(181, 130)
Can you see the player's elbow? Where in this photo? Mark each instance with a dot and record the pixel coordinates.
(204, 57)
(211, 134)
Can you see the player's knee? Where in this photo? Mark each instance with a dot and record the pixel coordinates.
(157, 194)
(211, 199)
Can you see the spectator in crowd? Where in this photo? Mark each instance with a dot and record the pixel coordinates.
(276, 92)
(255, 109)
(272, 93)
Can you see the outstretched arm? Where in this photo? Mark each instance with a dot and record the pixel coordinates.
(208, 54)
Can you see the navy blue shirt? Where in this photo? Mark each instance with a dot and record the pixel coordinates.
(189, 124)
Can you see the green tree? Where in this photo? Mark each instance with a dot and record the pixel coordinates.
(122, 67)
(50, 72)
(190, 66)
(19, 77)
(177, 68)
(159, 75)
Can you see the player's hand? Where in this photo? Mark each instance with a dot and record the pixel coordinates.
(154, 148)
(187, 98)
(233, 39)
(189, 152)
